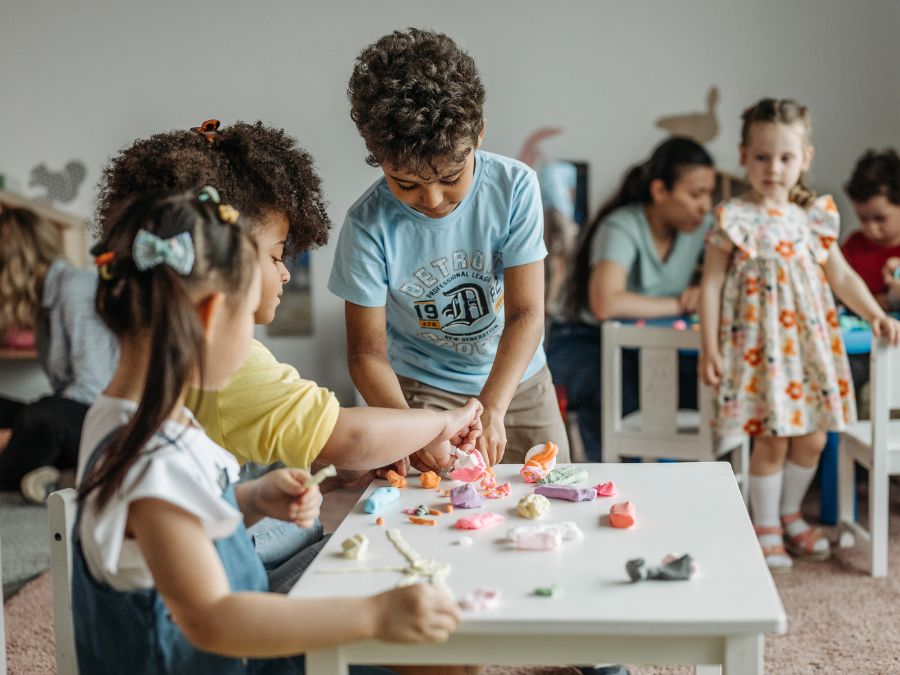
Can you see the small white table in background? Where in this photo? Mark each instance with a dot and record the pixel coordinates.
(599, 616)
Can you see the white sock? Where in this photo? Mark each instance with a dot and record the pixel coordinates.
(796, 483)
(765, 494)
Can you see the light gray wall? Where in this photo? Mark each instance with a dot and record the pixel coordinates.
(82, 79)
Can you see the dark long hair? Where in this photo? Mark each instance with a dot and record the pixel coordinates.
(158, 301)
(668, 161)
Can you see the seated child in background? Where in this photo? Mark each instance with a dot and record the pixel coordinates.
(874, 189)
(164, 576)
(40, 291)
(874, 250)
(266, 412)
(440, 262)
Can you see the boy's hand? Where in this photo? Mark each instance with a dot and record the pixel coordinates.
(891, 265)
(710, 367)
(416, 613)
(281, 494)
(886, 328)
(492, 443)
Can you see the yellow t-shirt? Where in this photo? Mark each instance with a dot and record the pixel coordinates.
(267, 413)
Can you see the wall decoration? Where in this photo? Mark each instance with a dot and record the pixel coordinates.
(62, 186)
(703, 127)
(294, 314)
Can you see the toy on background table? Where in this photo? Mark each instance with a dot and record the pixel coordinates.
(539, 461)
(622, 515)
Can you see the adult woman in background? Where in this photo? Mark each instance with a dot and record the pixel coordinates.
(636, 260)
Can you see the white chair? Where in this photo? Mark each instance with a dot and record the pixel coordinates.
(61, 506)
(875, 445)
(2, 623)
(658, 429)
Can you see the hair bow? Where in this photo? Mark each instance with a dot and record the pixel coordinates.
(177, 252)
(209, 129)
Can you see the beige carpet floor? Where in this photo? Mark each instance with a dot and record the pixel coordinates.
(840, 620)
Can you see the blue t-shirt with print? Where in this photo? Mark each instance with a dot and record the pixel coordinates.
(441, 279)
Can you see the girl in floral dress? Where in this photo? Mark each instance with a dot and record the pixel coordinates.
(771, 340)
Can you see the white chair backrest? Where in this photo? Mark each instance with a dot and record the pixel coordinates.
(884, 368)
(2, 622)
(659, 415)
(62, 508)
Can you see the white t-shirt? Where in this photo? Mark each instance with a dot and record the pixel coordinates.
(189, 472)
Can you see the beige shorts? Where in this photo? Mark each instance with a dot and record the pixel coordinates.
(533, 416)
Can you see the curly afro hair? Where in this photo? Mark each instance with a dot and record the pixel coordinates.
(254, 167)
(876, 173)
(417, 101)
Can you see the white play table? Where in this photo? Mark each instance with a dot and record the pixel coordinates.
(598, 616)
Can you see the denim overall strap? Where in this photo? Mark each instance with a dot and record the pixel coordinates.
(132, 631)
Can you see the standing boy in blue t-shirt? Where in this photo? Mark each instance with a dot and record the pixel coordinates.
(440, 262)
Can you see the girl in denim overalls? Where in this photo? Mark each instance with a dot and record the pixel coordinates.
(164, 578)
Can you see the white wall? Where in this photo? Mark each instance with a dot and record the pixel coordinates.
(80, 80)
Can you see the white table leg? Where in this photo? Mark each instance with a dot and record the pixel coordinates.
(707, 670)
(743, 655)
(326, 662)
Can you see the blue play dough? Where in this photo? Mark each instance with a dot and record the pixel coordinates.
(381, 498)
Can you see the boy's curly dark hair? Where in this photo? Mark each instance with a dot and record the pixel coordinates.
(416, 98)
(876, 173)
(255, 167)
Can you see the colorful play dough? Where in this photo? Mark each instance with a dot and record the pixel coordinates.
(479, 521)
(499, 491)
(320, 475)
(532, 506)
(670, 569)
(429, 479)
(355, 547)
(622, 514)
(481, 599)
(395, 479)
(606, 489)
(466, 497)
(380, 498)
(539, 460)
(544, 536)
(468, 467)
(567, 492)
(564, 475)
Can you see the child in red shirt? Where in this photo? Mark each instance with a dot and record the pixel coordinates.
(874, 189)
(874, 250)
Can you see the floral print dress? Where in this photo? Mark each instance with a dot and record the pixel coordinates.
(785, 370)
